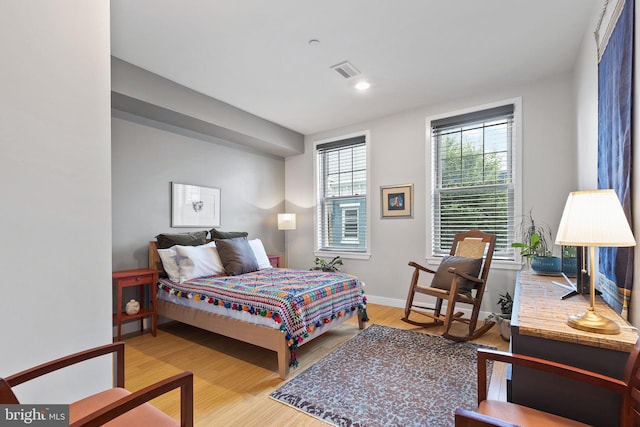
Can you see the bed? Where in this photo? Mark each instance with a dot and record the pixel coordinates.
(278, 309)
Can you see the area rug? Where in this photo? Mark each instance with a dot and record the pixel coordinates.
(388, 377)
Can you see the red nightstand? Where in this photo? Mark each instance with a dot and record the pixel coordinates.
(274, 260)
(140, 277)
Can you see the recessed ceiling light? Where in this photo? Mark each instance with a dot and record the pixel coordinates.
(362, 85)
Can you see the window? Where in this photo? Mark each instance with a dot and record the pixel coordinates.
(473, 183)
(349, 222)
(341, 217)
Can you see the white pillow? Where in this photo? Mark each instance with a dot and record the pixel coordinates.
(169, 258)
(260, 253)
(198, 261)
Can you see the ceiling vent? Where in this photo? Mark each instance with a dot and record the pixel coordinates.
(346, 69)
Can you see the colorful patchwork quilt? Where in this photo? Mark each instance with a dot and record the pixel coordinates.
(298, 300)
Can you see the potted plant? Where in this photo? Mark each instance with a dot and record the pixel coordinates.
(505, 301)
(535, 246)
(323, 265)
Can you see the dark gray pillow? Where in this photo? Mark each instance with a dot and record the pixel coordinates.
(215, 234)
(470, 266)
(194, 238)
(236, 255)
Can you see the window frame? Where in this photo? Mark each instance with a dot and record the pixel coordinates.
(365, 254)
(515, 261)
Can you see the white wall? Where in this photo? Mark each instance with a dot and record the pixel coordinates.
(399, 155)
(586, 82)
(55, 184)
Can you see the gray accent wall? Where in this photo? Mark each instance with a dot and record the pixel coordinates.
(146, 159)
(163, 132)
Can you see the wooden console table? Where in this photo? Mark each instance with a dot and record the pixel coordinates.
(539, 328)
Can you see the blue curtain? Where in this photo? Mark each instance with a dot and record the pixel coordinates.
(615, 94)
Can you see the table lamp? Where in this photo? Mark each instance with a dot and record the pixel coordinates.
(594, 218)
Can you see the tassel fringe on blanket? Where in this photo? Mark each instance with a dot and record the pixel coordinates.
(292, 342)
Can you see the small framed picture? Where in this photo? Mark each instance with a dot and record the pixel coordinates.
(396, 201)
(194, 206)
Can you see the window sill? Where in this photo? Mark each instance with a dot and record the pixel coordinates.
(506, 265)
(343, 255)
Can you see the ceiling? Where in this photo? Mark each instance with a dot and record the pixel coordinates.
(256, 55)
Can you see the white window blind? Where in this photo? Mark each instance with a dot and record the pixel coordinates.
(473, 185)
(341, 216)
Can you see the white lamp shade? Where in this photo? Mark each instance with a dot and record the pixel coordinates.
(594, 218)
(286, 221)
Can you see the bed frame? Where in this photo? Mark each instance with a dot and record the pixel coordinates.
(262, 336)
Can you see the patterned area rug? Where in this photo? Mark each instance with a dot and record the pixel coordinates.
(387, 377)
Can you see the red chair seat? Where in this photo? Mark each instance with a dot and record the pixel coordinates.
(144, 415)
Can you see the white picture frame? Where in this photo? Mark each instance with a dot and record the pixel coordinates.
(194, 206)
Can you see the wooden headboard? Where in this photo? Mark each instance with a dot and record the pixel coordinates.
(155, 263)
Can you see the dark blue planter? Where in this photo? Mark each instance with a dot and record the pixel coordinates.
(546, 265)
(570, 267)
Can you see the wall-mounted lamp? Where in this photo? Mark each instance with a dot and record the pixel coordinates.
(286, 221)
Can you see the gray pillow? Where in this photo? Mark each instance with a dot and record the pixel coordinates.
(216, 234)
(470, 266)
(194, 238)
(236, 255)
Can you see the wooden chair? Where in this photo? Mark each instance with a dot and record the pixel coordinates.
(499, 413)
(116, 405)
(472, 244)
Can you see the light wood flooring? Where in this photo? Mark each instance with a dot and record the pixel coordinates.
(233, 380)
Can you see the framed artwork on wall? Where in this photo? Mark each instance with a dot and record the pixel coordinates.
(194, 206)
(396, 201)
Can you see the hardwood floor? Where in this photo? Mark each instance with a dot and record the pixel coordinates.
(233, 380)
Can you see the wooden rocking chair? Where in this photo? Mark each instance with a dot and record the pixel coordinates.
(461, 278)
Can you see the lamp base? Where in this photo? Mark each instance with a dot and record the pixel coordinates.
(591, 321)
